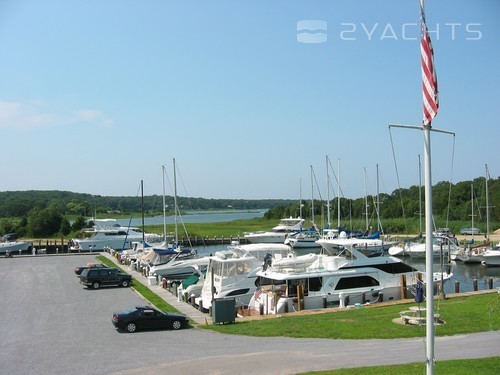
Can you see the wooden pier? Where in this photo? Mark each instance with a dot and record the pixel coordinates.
(62, 246)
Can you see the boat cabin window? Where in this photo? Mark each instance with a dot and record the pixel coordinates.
(395, 268)
(236, 268)
(162, 258)
(312, 284)
(356, 282)
(338, 250)
(230, 269)
(114, 234)
(216, 268)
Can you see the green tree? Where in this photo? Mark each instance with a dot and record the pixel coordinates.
(79, 223)
(44, 222)
(65, 226)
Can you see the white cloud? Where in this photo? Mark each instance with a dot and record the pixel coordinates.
(36, 114)
(16, 115)
(92, 115)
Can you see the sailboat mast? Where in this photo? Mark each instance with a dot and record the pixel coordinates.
(312, 196)
(329, 220)
(300, 198)
(338, 194)
(378, 202)
(419, 195)
(487, 203)
(175, 205)
(164, 205)
(472, 210)
(142, 210)
(366, 202)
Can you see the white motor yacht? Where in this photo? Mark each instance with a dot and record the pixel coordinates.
(107, 233)
(491, 257)
(232, 273)
(279, 233)
(441, 246)
(320, 281)
(369, 246)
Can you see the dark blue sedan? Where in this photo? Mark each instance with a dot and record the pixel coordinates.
(147, 317)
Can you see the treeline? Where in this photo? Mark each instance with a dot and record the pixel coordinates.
(451, 202)
(39, 214)
(48, 213)
(16, 204)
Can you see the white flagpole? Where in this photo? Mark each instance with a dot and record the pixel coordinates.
(429, 261)
(429, 265)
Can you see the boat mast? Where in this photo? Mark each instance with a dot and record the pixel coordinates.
(300, 198)
(419, 195)
(487, 173)
(378, 202)
(329, 220)
(472, 209)
(366, 202)
(338, 194)
(142, 210)
(312, 197)
(175, 205)
(164, 206)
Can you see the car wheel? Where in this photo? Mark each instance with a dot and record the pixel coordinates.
(176, 324)
(125, 283)
(96, 285)
(131, 327)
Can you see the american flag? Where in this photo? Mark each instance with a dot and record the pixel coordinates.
(429, 78)
(257, 293)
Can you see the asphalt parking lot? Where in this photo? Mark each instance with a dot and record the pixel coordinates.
(51, 324)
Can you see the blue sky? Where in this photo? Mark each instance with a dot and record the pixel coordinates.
(96, 95)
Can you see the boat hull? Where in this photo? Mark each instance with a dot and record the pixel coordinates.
(14, 246)
(491, 258)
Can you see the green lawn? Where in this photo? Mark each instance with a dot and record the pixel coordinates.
(483, 366)
(461, 315)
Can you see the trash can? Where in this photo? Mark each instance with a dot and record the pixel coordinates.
(223, 310)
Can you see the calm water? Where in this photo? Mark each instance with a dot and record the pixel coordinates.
(463, 273)
(196, 217)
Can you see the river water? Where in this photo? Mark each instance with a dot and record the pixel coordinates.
(196, 217)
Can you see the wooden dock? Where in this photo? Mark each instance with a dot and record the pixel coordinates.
(62, 246)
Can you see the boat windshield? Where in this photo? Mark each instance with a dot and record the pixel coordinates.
(231, 269)
(339, 250)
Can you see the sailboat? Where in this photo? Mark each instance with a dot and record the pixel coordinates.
(185, 261)
(475, 254)
(305, 240)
